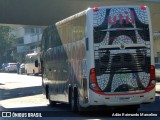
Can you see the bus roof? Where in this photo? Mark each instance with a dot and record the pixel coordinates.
(101, 7)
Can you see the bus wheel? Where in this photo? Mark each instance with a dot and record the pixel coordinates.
(70, 97)
(74, 96)
(46, 92)
(52, 103)
(79, 107)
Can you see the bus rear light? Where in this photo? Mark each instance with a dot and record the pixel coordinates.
(95, 9)
(93, 80)
(143, 7)
(152, 72)
(93, 75)
(152, 82)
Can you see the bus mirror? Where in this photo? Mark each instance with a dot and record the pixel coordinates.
(36, 63)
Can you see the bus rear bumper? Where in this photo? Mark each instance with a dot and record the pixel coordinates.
(120, 100)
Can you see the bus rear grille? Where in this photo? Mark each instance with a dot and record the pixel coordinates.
(121, 63)
(121, 69)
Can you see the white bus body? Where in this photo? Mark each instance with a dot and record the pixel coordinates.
(101, 56)
(30, 63)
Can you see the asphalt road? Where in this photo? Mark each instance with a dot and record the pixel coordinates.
(22, 96)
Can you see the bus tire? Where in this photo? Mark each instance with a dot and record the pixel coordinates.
(79, 107)
(74, 106)
(70, 96)
(51, 103)
(46, 92)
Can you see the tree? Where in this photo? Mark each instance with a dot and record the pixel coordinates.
(6, 42)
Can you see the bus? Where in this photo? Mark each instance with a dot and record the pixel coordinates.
(102, 56)
(30, 60)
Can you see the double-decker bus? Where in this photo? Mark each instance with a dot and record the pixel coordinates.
(102, 56)
(30, 60)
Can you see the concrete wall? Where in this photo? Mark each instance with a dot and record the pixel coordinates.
(45, 12)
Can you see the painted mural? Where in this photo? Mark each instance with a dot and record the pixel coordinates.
(122, 49)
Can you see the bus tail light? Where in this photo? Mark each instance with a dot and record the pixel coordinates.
(93, 80)
(143, 7)
(152, 82)
(95, 9)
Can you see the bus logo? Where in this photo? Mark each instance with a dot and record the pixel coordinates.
(122, 47)
(113, 19)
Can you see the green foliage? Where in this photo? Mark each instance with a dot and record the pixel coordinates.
(6, 41)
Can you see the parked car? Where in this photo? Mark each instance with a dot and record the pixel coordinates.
(3, 67)
(22, 68)
(157, 70)
(11, 67)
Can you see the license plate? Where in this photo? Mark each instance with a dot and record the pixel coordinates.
(124, 98)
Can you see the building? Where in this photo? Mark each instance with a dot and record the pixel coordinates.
(156, 38)
(27, 39)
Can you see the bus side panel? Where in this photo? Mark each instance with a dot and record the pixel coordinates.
(151, 36)
(69, 57)
(88, 61)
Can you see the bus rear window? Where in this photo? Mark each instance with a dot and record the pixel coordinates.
(126, 24)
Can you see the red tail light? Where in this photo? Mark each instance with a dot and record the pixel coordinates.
(93, 75)
(143, 7)
(152, 82)
(95, 9)
(93, 80)
(152, 72)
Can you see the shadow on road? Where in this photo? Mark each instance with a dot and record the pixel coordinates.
(20, 92)
(2, 84)
(63, 110)
(154, 106)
